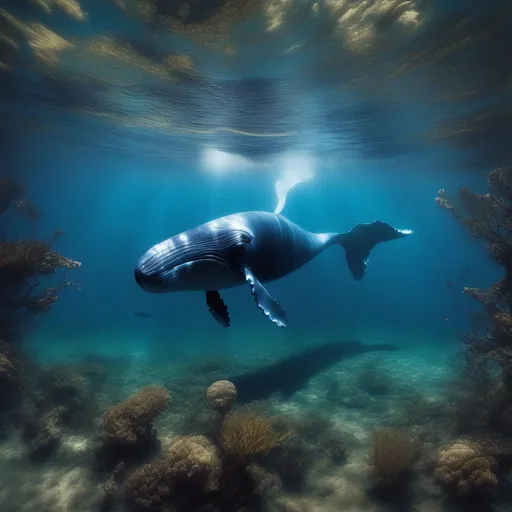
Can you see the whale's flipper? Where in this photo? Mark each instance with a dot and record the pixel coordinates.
(217, 307)
(265, 301)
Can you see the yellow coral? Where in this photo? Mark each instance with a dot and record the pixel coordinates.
(245, 434)
(465, 468)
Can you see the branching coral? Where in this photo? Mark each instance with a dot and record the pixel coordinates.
(24, 259)
(131, 421)
(392, 454)
(245, 435)
(489, 218)
(22, 263)
(463, 468)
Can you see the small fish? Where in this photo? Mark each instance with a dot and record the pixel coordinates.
(143, 314)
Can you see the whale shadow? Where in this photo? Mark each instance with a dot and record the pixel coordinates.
(290, 374)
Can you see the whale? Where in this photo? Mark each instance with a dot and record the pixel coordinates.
(250, 248)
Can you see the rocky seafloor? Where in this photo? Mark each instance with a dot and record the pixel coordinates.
(377, 432)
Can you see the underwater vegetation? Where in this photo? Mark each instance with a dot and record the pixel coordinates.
(23, 263)
(488, 350)
(392, 454)
(469, 466)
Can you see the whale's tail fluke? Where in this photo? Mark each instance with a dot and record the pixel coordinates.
(361, 239)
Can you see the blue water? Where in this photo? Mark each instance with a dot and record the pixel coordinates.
(111, 215)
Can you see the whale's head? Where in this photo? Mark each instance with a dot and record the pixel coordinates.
(204, 258)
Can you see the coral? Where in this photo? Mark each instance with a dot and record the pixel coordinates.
(221, 395)
(464, 469)
(196, 458)
(192, 464)
(128, 433)
(245, 435)
(130, 421)
(150, 487)
(392, 454)
(43, 435)
(487, 216)
(22, 259)
(22, 262)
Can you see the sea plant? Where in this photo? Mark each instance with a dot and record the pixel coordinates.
(392, 455)
(488, 217)
(245, 435)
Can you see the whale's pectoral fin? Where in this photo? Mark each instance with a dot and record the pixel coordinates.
(217, 307)
(265, 301)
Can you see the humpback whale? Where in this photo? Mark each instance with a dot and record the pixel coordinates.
(249, 248)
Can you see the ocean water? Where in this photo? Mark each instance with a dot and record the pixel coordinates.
(127, 122)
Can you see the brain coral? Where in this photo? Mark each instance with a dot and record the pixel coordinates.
(221, 395)
(131, 420)
(465, 469)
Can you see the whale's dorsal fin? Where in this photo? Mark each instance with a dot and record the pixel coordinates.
(217, 307)
(265, 301)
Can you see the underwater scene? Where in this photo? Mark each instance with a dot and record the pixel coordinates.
(255, 256)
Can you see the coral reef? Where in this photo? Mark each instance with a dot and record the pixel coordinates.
(217, 473)
(464, 469)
